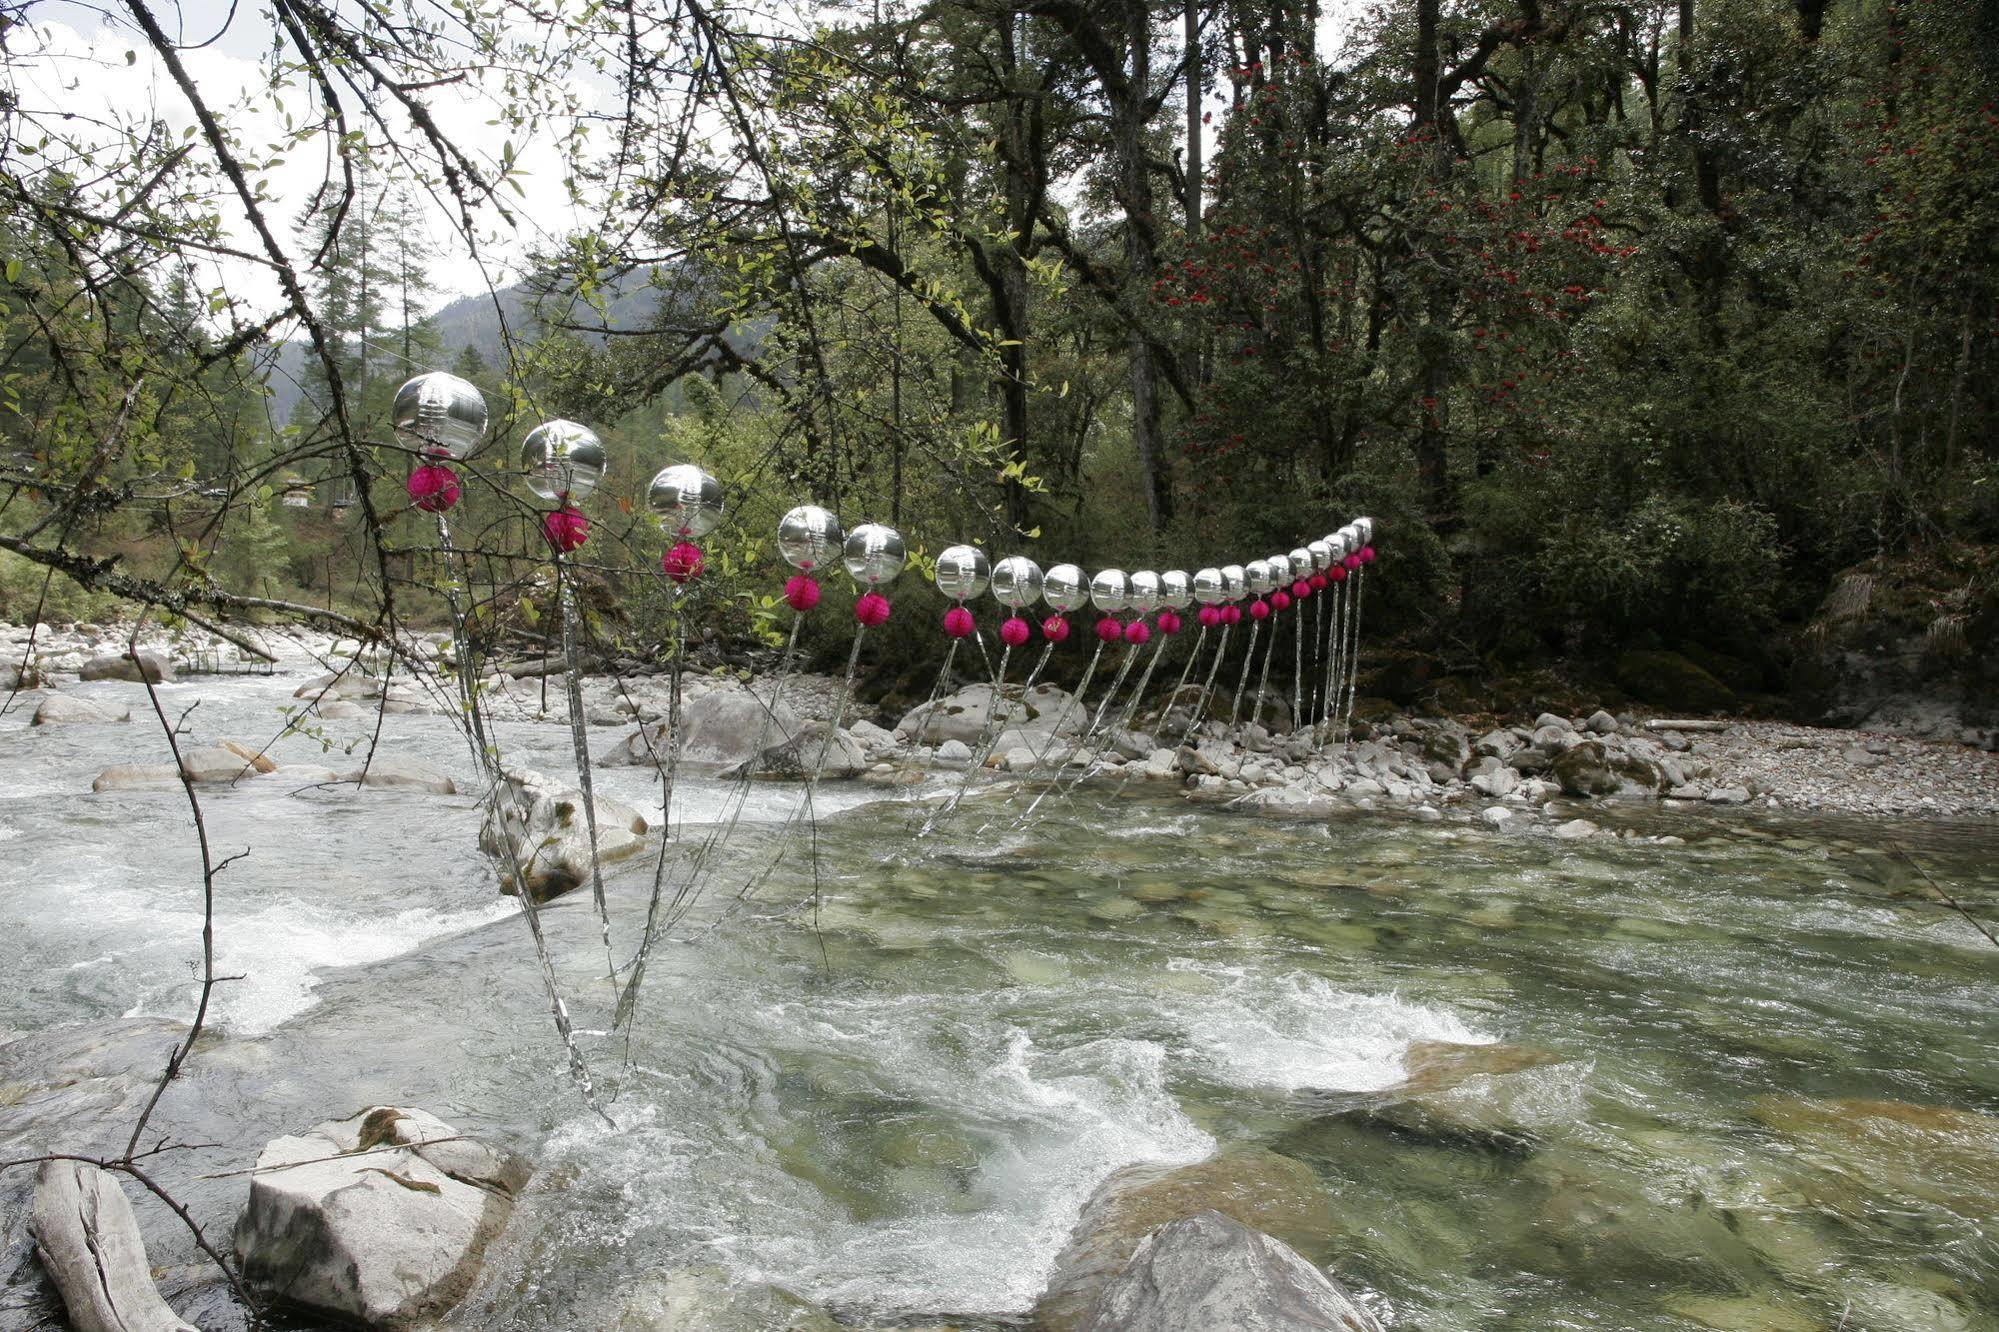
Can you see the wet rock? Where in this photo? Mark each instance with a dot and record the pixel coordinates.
(541, 824)
(215, 765)
(1195, 763)
(1593, 768)
(137, 777)
(394, 772)
(336, 709)
(375, 1219)
(877, 741)
(256, 758)
(1209, 1272)
(1497, 782)
(1601, 723)
(1728, 795)
(129, 665)
(1936, 1154)
(1575, 830)
(1494, 1096)
(1289, 802)
(815, 749)
(1497, 744)
(953, 751)
(69, 710)
(1252, 1185)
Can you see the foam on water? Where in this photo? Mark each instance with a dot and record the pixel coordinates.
(1297, 1032)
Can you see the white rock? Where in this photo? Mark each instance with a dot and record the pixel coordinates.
(1496, 782)
(954, 751)
(68, 709)
(1575, 830)
(1496, 815)
(137, 777)
(392, 771)
(546, 831)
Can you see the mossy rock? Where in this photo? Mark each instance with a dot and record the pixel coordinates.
(1669, 680)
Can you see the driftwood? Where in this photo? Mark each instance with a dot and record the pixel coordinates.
(89, 1243)
(1690, 724)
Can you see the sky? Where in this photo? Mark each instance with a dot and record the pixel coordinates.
(82, 62)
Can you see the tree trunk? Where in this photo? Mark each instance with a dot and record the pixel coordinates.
(1128, 128)
(89, 1244)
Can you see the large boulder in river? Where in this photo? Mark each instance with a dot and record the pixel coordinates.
(963, 716)
(68, 709)
(1493, 1096)
(816, 749)
(1594, 768)
(216, 764)
(129, 665)
(542, 826)
(722, 726)
(1255, 1186)
(137, 777)
(393, 772)
(380, 1219)
(1209, 1272)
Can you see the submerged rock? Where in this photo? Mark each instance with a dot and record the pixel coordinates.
(1491, 1096)
(377, 1219)
(541, 824)
(137, 777)
(1934, 1153)
(707, 1299)
(215, 764)
(1253, 1185)
(1209, 1272)
(812, 750)
(68, 710)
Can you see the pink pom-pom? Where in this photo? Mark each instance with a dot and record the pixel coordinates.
(1367, 554)
(801, 593)
(432, 487)
(958, 622)
(1352, 562)
(566, 528)
(1231, 614)
(682, 562)
(1280, 600)
(1136, 632)
(1109, 630)
(872, 609)
(1338, 573)
(1300, 590)
(1055, 629)
(1168, 621)
(1259, 609)
(1209, 616)
(1318, 582)
(1014, 631)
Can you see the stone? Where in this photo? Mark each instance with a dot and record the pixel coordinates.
(1195, 763)
(1670, 680)
(877, 740)
(1208, 1272)
(1601, 723)
(1253, 1185)
(1497, 744)
(338, 709)
(954, 751)
(1728, 795)
(1289, 802)
(375, 1219)
(138, 666)
(1593, 768)
(1575, 830)
(256, 758)
(1492, 1096)
(1549, 721)
(810, 751)
(1496, 815)
(394, 772)
(722, 726)
(68, 709)
(542, 825)
(137, 777)
(1496, 782)
(213, 764)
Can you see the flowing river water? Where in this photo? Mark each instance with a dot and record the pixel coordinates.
(1747, 1081)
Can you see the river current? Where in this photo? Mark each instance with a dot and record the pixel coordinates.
(1751, 1078)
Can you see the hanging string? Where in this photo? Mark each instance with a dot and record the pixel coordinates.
(579, 736)
(988, 737)
(1122, 726)
(1186, 672)
(1353, 656)
(1248, 662)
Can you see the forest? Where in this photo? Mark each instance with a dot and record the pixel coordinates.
(1658, 337)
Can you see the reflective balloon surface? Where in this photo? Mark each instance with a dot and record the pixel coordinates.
(1235, 583)
(686, 500)
(1259, 577)
(1110, 591)
(562, 460)
(1280, 570)
(1302, 562)
(873, 554)
(1322, 553)
(1176, 590)
(1016, 582)
(962, 572)
(809, 537)
(1143, 591)
(1365, 526)
(439, 411)
(1210, 588)
(1064, 588)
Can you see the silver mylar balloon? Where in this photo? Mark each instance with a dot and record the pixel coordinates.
(562, 460)
(1144, 591)
(873, 554)
(1110, 590)
(1280, 570)
(1302, 563)
(1064, 588)
(809, 537)
(1210, 588)
(686, 500)
(1351, 535)
(1176, 590)
(1016, 582)
(1259, 577)
(1342, 544)
(1321, 552)
(440, 411)
(962, 572)
(1366, 527)
(1235, 583)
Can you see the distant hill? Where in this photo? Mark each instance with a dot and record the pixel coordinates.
(482, 322)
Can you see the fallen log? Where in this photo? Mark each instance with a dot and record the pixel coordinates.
(1689, 724)
(89, 1244)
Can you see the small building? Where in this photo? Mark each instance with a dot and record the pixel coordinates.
(296, 492)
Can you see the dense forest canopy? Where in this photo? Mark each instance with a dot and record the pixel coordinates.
(1635, 324)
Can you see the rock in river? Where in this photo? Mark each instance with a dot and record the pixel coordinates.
(134, 666)
(67, 709)
(1209, 1272)
(380, 1219)
(547, 833)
